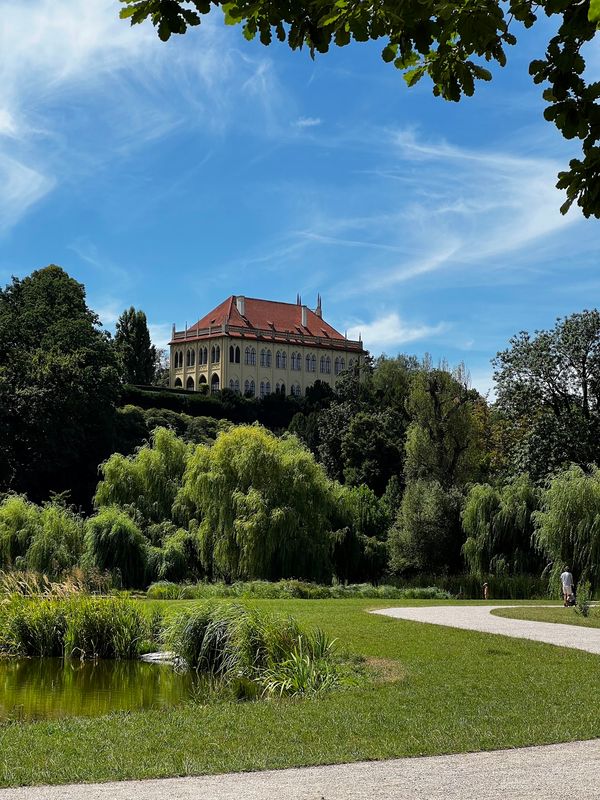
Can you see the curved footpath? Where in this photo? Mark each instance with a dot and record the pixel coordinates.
(479, 618)
(529, 773)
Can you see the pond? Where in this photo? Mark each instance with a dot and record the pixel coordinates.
(50, 688)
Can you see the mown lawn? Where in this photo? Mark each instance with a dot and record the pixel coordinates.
(566, 616)
(461, 691)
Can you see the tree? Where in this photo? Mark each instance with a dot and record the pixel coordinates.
(58, 387)
(567, 527)
(444, 441)
(449, 42)
(263, 504)
(427, 535)
(372, 448)
(499, 527)
(137, 355)
(548, 390)
(114, 543)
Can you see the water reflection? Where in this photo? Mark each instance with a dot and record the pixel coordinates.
(48, 688)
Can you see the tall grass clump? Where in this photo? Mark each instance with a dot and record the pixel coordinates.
(111, 627)
(233, 643)
(34, 627)
(80, 627)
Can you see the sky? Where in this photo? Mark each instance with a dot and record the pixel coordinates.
(169, 176)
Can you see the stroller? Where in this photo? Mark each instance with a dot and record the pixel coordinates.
(572, 601)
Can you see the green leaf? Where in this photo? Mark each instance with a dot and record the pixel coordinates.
(389, 52)
(594, 11)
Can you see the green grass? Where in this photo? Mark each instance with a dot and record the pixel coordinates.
(565, 616)
(461, 691)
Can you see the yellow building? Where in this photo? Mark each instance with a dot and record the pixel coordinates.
(257, 347)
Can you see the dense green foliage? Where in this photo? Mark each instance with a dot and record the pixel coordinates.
(113, 542)
(447, 41)
(58, 387)
(135, 352)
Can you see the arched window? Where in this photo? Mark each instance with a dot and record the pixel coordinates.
(249, 388)
(278, 359)
(281, 388)
(265, 358)
(269, 358)
(262, 389)
(218, 354)
(327, 366)
(202, 379)
(213, 353)
(178, 383)
(311, 363)
(190, 358)
(336, 366)
(231, 354)
(189, 384)
(322, 364)
(308, 363)
(214, 383)
(250, 356)
(206, 355)
(237, 355)
(295, 390)
(342, 365)
(268, 387)
(283, 360)
(350, 363)
(236, 388)
(232, 384)
(179, 359)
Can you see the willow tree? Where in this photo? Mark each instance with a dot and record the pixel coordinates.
(148, 481)
(567, 528)
(114, 543)
(499, 527)
(264, 506)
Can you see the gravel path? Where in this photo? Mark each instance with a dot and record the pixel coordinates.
(531, 773)
(478, 618)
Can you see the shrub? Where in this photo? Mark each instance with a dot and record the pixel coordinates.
(583, 599)
(19, 521)
(113, 542)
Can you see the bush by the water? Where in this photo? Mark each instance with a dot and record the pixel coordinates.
(281, 590)
(235, 643)
(80, 627)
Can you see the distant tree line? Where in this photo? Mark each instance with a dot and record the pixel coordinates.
(400, 470)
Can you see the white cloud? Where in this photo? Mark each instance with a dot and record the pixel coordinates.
(391, 331)
(117, 89)
(108, 310)
(307, 122)
(20, 188)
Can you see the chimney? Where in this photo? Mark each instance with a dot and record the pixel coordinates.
(304, 316)
(318, 310)
(241, 304)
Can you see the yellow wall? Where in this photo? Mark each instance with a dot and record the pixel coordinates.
(242, 371)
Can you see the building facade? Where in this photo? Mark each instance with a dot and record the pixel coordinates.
(259, 347)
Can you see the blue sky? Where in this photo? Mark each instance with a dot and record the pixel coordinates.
(170, 176)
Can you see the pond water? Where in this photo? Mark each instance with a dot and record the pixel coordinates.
(49, 688)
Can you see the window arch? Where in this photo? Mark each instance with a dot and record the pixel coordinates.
(295, 390)
(190, 358)
(202, 379)
(189, 384)
(311, 363)
(249, 388)
(342, 365)
(215, 383)
(178, 383)
(336, 366)
(179, 359)
(215, 354)
(268, 387)
(265, 357)
(231, 354)
(250, 356)
(237, 354)
(262, 389)
(327, 365)
(280, 388)
(322, 364)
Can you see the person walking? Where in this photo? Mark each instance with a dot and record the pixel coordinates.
(566, 580)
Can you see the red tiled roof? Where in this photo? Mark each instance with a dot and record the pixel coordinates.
(266, 315)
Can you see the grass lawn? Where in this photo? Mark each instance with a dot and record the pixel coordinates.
(566, 616)
(461, 691)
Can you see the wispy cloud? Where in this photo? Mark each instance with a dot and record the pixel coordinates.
(390, 330)
(307, 122)
(118, 88)
(160, 334)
